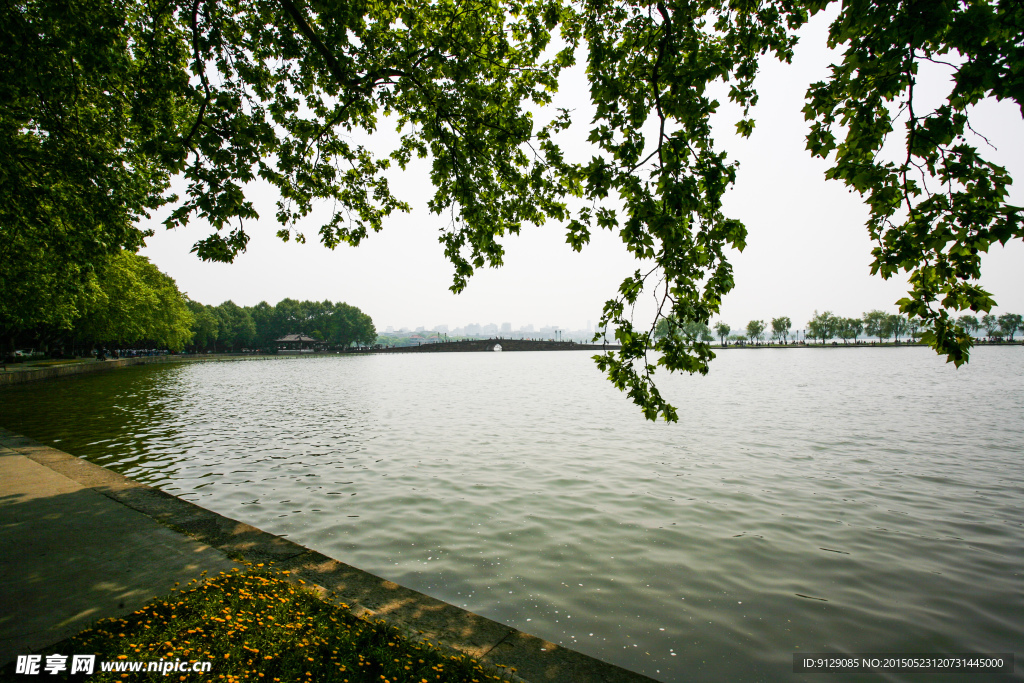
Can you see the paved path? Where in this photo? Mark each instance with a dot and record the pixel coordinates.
(70, 555)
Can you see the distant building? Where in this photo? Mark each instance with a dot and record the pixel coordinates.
(490, 329)
(443, 329)
(297, 343)
(506, 328)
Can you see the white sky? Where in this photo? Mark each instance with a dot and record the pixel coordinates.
(807, 247)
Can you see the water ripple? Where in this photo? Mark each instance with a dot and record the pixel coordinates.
(870, 500)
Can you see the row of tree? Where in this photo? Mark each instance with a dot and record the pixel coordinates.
(119, 301)
(233, 327)
(124, 301)
(826, 326)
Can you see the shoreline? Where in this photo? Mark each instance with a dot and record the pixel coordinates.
(419, 616)
(33, 373)
(24, 373)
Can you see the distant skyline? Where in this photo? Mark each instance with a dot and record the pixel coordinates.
(807, 247)
(494, 328)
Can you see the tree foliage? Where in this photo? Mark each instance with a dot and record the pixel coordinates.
(781, 327)
(88, 115)
(1009, 323)
(969, 323)
(235, 327)
(205, 325)
(102, 103)
(848, 328)
(896, 326)
(822, 326)
(722, 329)
(232, 327)
(134, 303)
(875, 324)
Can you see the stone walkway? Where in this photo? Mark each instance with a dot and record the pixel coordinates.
(79, 543)
(70, 555)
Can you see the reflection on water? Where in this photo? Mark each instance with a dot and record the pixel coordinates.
(848, 500)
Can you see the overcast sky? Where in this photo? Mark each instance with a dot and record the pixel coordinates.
(807, 247)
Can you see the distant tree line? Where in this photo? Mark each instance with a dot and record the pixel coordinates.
(230, 327)
(997, 327)
(124, 301)
(827, 326)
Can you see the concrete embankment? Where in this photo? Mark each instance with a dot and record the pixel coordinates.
(20, 375)
(81, 543)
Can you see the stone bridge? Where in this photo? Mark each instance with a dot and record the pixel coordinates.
(506, 345)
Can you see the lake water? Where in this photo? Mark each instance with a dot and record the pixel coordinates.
(808, 500)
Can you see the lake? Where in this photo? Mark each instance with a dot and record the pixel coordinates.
(808, 500)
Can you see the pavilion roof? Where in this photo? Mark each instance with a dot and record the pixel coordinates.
(295, 338)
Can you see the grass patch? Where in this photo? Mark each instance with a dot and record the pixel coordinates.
(257, 626)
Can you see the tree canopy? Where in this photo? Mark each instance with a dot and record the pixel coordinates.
(722, 329)
(131, 302)
(1009, 323)
(822, 326)
(781, 327)
(102, 103)
(233, 327)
